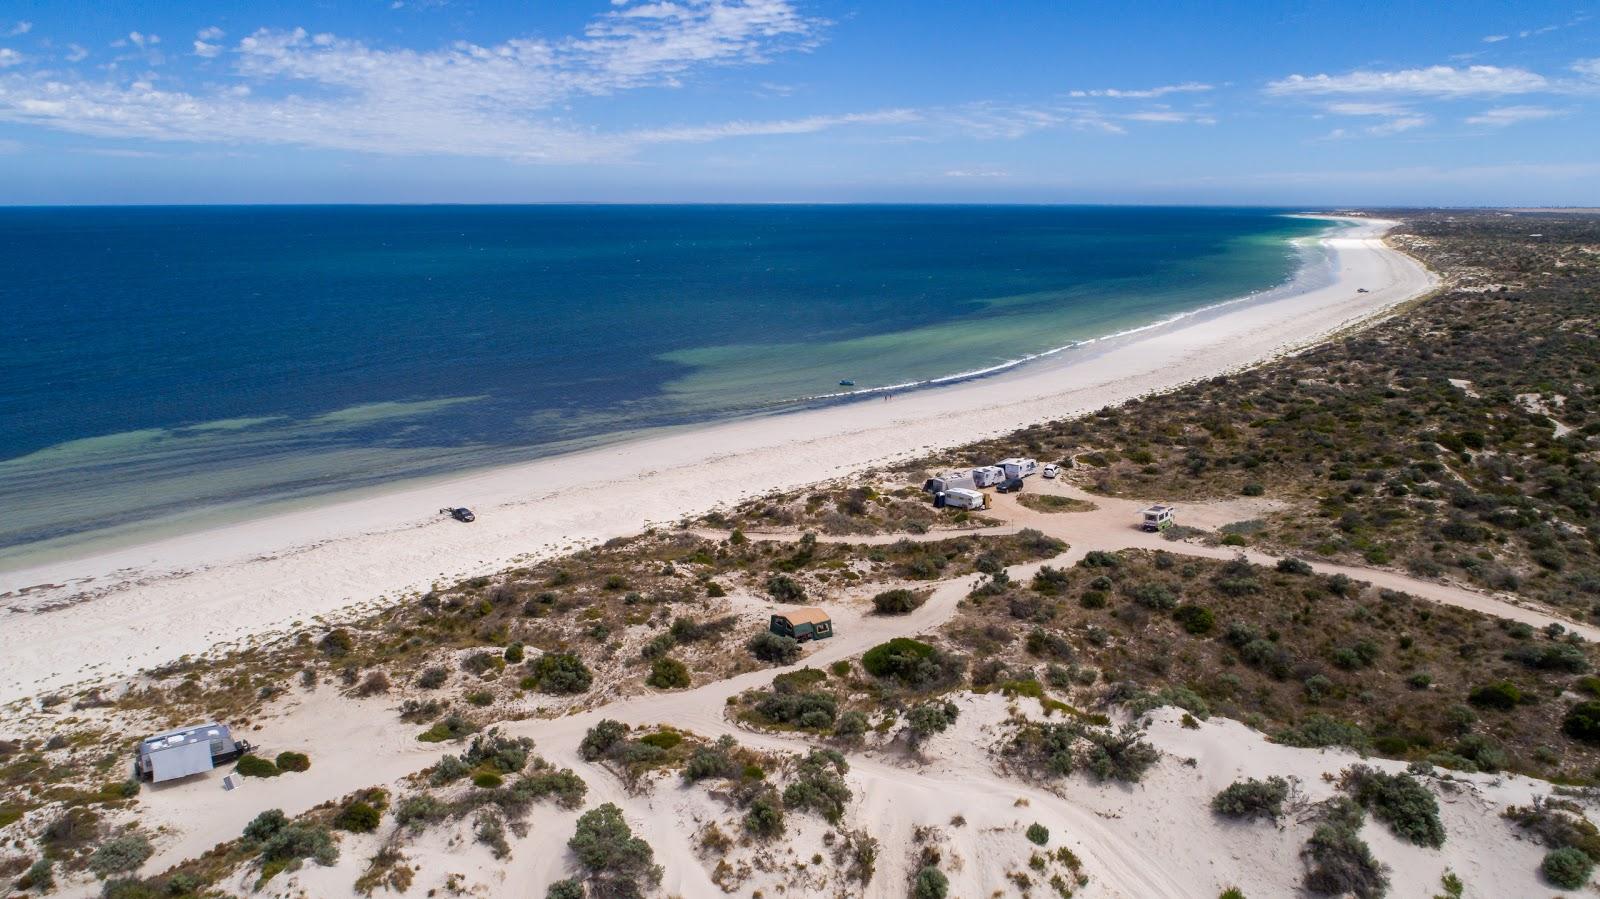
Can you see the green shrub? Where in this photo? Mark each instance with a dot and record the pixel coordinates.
(662, 739)
(1567, 867)
(255, 766)
(1341, 863)
(337, 643)
(887, 659)
(1503, 695)
(898, 602)
(451, 728)
(930, 883)
(487, 780)
(1038, 834)
(565, 889)
(358, 817)
(668, 674)
(265, 825)
(1250, 798)
(1196, 620)
(1399, 800)
(514, 654)
(1293, 567)
(601, 738)
(785, 588)
(120, 854)
(929, 718)
(911, 661)
(1318, 731)
(432, 678)
(764, 819)
(40, 876)
(1582, 722)
(618, 863)
(560, 673)
(770, 647)
(293, 761)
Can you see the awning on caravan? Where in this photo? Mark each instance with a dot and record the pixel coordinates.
(180, 761)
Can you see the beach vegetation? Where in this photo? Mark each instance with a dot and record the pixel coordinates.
(1252, 798)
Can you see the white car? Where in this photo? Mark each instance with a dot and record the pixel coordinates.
(1051, 470)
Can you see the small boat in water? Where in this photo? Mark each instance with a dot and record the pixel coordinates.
(847, 383)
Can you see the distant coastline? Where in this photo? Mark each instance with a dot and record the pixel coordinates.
(139, 605)
(236, 458)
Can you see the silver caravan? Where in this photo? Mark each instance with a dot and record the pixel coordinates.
(988, 475)
(962, 498)
(944, 483)
(1018, 468)
(187, 750)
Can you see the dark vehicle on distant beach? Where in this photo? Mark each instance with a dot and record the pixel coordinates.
(1010, 485)
(460, 513)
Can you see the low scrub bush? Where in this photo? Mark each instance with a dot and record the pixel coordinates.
(770, 647)
(560, 673)
(898, 602)
(1251, 798)
(255, 766)
(1400, 801)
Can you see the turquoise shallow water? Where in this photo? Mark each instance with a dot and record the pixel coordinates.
(167, 365)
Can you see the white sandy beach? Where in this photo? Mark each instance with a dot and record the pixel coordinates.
(114, 612)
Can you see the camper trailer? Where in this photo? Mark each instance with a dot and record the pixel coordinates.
(1018, 468)
(1157, 518)
(988, 476)
(186, 751)
(944, 483)
(962, 498)
(804, 623)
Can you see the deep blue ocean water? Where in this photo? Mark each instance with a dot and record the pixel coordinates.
(164, 363)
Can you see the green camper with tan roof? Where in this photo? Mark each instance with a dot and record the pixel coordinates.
(804, 623)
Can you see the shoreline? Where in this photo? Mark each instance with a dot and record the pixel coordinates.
(142, 605)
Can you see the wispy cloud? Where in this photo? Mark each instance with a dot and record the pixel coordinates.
(1170, 116)
(977, 173)
(77, 53)
(1433, 81)
(1501, 116)
(19, 29)
(464, 99)
(1495, 38)
(806, 125)
(9, 57)
(205, 45)
(1148, 93)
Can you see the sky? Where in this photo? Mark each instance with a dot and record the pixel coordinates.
(399, 101)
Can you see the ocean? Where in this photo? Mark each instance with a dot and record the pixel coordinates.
(171, 367)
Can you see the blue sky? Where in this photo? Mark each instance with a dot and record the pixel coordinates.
(1461, 103)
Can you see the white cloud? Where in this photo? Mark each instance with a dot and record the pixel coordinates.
(139, 39)
(1434, 81)
(1398, 124)
(19, 29)
(211, 33)
(1589, 68)
(1502, 116)
(1384, 109)
(9, 57)
(977, 173)
(807, 125)
(504, 100)
(1170, 116)
(1494, 38)
(1146, 93)
(77, 53)
(205, 50)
